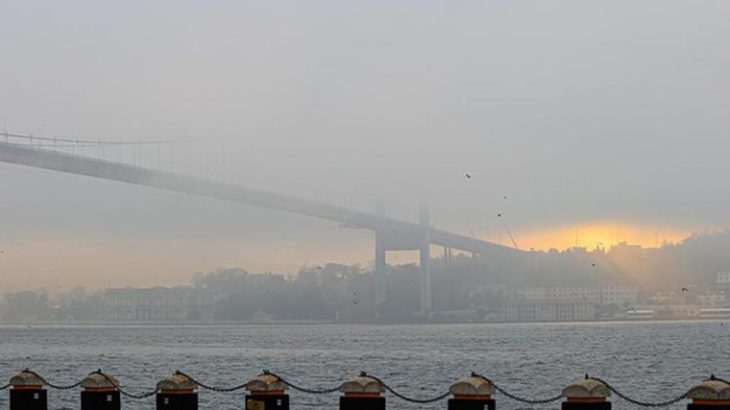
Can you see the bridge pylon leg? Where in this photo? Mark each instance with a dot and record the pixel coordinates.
(380, 267)
(425, 279)
(425, 260)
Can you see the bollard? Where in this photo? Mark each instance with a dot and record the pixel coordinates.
(177, 392)
(472, 393)
(362, 393)
(712, 394)
(100, 392)
(27, 392)
(266, 392)
(586, 394)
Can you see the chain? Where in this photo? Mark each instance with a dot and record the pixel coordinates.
(124, 392)
(406, 398)
(713, 377)
(389, 389)
(518, 398)
(51, 385)
(666, 403)
(212, 388)
(303, 389)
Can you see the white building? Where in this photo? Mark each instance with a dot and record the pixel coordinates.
(548, 311)
(717, 299)
(158, 304)
(605, 295)
(723, 278)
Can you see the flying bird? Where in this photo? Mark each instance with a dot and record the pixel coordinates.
(499, 215)
(685, 290)
(504, 197)
(467, 175)
(594, 265)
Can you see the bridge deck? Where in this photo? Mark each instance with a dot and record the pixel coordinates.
(400, 231)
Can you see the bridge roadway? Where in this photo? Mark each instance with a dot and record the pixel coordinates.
(391, 234)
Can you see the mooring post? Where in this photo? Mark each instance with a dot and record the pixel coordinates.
(472, 393)
(100, 392)
(712, 394)
(362, 393)
(27, 392)
(586, 394)
(266, 392)
(177, 392)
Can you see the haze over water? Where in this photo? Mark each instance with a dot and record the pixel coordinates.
(650, 361)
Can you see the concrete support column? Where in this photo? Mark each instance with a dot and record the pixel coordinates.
(380, 267)
(425, 262)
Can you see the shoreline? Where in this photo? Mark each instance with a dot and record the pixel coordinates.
(9, 325)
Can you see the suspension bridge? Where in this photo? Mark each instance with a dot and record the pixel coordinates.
(132, 162)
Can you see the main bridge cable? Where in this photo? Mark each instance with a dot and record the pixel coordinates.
(87, 142)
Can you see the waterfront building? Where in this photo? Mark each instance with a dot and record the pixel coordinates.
(713, 299)
(159, 304)
(548, 311)
(723, 278)
(604, 295)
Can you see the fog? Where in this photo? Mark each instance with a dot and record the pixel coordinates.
(610, 113)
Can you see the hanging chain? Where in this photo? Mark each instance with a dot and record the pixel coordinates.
(51, 385)
(403, 397)
(303, 389)
(519, 398)
(212, 388)
(126, 393)
(666, 403)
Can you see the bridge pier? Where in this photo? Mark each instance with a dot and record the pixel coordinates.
(380, 268)
(425, 280)
(425, 261)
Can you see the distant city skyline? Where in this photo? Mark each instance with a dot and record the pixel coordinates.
(581, 114)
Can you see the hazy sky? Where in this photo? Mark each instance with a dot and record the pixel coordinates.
(609, 118)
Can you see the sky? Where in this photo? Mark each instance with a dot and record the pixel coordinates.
(600, 122)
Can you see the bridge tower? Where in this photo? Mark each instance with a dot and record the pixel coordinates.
(425, 261)
(380, 267)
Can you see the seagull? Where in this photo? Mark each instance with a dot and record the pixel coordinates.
(467, 175)
(685, 290)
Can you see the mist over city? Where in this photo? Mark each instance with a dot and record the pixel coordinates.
(538, 187)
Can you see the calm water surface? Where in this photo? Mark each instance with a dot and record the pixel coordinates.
(650, 361)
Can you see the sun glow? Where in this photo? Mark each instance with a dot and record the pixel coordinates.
(600, 235)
